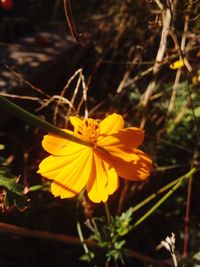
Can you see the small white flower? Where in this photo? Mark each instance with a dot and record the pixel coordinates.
(169, 244)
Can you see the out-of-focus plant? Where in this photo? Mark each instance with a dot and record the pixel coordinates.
(12, 192)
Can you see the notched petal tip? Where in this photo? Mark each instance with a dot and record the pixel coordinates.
(62, 191)
(142, 165)
(144, 168)
(133, 166)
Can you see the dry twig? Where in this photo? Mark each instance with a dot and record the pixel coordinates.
(166, 18)
(21, 231)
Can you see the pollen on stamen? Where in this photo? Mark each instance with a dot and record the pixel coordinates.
(89, 130)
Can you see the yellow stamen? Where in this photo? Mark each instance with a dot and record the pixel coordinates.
(88, 130)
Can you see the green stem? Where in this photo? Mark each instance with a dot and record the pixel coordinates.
(81, 238)
(108, 216)
(83, 242)
(30, 118)
(160, 191)
(164, 198)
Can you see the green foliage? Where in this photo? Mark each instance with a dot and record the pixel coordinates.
(109, 236)
(181, 122)
(88, 256)
(9, 183)
(44, 187)
(123, 222)
(13, 192)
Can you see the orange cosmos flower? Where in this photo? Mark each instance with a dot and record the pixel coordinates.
(73, 167)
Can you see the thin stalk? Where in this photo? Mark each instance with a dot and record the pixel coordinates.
(107, 211)
(188, 207)
(187, 218)
(84, 243)
(174, 259)
(80, 234)
(163, 199)
(160, 191)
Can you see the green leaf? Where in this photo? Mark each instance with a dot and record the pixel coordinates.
(123, 222)
(13, 191)
(11, 185)
(45, 187)
(87, 256)
(13, 200)
(36, 121)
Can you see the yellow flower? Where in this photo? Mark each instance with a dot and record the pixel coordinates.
(177, 64)
(73, 167)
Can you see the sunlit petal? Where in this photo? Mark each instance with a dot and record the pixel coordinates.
(111, 124)
(135, 166)
(73, 177)
(113, 180)
(97, 184)
(52, 165)
(75, 121)
(55, 145)
(125, 139)
(61, 148)
(103, 181)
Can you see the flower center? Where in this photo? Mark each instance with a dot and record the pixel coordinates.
(88, 130)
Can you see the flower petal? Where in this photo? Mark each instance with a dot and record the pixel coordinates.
(55, 145)
(103, 181)
(125, 139)
(75, 121)
(70, 174)
(62, 147)
(111, 124)
(96, 186)
(74, 177)
(53, 165)
(135, 166)
(113, 179)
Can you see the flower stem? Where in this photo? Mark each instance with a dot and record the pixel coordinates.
(107, 211)
(81, 238)
(165, 197)
(160, 191)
